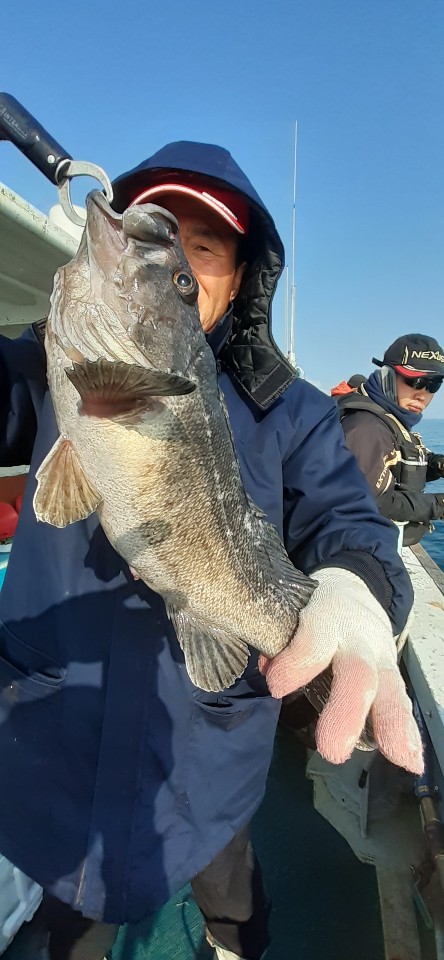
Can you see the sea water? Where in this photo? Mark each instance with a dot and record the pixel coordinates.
(432, 432)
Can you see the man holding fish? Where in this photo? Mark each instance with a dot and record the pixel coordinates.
(137, 716)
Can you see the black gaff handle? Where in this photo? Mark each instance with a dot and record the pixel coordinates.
(23, 130)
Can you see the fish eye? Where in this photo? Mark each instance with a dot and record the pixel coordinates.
(187, 285)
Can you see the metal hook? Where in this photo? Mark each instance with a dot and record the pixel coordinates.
(66, 170)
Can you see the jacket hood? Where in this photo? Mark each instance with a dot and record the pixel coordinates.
(340, 389)
(251, 354)
(370, 397)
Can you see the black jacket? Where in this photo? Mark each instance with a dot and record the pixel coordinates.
(396, 464)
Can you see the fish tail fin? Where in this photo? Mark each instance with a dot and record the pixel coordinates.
(297, 587)
(214, 658)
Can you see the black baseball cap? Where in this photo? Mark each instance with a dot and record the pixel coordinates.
(414, 355)
(356, 380)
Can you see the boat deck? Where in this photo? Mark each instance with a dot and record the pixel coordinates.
(325, 902)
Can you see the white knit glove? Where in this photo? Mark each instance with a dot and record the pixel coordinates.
(344, 625)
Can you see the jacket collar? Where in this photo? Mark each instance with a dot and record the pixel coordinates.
(218, 336)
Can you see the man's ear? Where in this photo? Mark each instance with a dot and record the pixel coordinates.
(237, 279)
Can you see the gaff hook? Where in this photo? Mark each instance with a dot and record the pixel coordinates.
(65, 172)
(28, 135)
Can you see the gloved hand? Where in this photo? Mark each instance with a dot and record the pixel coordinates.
(343, 624)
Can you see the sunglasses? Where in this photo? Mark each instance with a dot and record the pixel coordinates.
(432, 384)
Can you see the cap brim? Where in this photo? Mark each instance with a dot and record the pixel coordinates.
(412, 372)
(164, 188)
(407, 371)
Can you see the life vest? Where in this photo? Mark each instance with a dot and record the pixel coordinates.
(409, 466)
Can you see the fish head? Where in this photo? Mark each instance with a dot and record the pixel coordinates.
(129, 294)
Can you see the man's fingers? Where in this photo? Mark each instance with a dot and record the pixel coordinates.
(301, 661)
(342, 720)
(263, 664)
(395, 730)
(284, 674)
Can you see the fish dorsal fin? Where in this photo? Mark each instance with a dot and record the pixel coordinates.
(111, 389)
(64, 494)
(214, 659)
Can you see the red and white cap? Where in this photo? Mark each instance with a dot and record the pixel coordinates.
(412, 371)
(231, 205)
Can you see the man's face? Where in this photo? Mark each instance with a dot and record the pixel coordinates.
(210, 246)
(415, 401)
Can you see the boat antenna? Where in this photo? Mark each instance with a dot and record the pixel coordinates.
(286, 327)
(291, 356)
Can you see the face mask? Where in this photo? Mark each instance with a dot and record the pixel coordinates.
(388, 384)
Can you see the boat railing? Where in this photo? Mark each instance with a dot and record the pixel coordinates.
(424, 651)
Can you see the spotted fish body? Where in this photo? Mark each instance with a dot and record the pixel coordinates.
(145, 442)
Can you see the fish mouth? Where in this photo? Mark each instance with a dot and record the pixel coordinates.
(104, 228)
(151, 224)
(146, 222)
(97, 200)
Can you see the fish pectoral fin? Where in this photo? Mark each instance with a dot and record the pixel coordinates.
(64, 494)
(214, 659)
(111, 389)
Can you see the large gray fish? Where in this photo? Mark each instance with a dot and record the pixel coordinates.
(148, 445)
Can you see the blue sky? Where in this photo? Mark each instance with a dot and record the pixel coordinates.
(363, 78)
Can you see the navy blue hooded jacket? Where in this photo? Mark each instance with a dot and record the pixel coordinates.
(122, 780)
